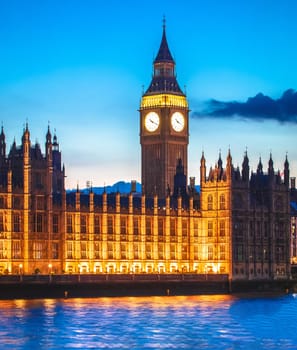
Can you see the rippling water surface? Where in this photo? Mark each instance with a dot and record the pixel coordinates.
(199, 322)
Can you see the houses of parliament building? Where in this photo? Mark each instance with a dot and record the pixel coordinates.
(237, 224)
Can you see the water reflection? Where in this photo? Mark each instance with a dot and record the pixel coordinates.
(192, 322)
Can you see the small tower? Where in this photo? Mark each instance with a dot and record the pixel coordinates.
(48, 145)
(260, 167)
(286, 172)
(26, 143)
(270, 167)
(202, 169)
(229, 166)
(2, 146)
(245, 168)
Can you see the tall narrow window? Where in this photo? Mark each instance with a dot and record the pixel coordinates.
(210, 202)
(195, 252)
(239, 253)
(148, 251)
(83, 224)
(222, 252)
(172, 227)
(97, 224)
(69, 224)
(16, 223)
(136, 250)
(123, 251)
(110, 250)
(161, 250)
(222, 228)
(210, 252)
(172, 251)
(195, 228)
(55, 223)
(2, 228)
(37, 250)
(222, 202)
(210, 229)
(160, 227)
(123, 223)
(184, 251)
(184, 228)
(97, 250)
(110, 224)
(16, 250)
(148, 226)
(83, 250)
(55, 250)
(2, 255)
(69, 250)
(136, 226)
(39, 223)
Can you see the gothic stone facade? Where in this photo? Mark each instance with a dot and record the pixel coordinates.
(238, 225)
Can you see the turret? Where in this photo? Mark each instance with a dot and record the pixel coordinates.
(270, 167)
(220, 167)
(202, 169)
(260, 167)
(26, 143)
(229, 166)
(48, 145)
(2, 146)
(245, 168)
(286, 172)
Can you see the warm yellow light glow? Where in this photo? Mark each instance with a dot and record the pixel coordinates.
(162, 100)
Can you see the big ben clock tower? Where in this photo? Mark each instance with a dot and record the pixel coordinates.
(164, 126)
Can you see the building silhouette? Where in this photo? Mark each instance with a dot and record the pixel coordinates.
(238, 224)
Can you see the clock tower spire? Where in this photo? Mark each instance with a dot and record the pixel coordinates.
(164, 123)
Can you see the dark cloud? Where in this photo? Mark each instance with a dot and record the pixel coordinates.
(260, 107)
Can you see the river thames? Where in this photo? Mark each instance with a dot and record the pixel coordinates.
(195, 322)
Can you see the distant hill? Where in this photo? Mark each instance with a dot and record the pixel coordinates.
(121, 187)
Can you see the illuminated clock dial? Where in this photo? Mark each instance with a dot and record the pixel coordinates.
(177, 121)
(152, 121)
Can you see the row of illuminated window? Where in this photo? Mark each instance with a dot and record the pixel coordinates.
(38, 223)
(136, 224)
(260, 228)
(38, 202)
(37, 250)
(259, 253)
(146, 251)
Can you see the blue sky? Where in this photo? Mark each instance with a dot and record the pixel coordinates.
(82, 65)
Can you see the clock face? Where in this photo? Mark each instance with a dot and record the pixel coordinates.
(177, 121)
(152, 121)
